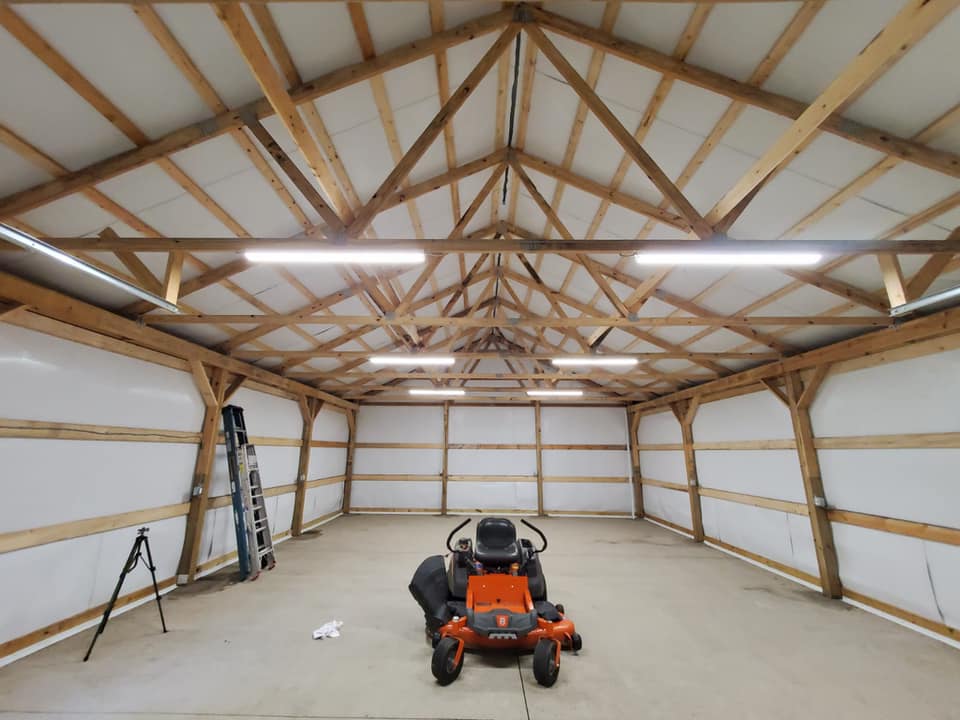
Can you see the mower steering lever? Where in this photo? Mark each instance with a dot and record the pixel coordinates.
(537, 531)
(454, 532)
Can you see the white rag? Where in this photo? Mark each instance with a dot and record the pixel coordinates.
(328, 630)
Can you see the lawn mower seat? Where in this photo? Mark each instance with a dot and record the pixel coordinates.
(497, 542)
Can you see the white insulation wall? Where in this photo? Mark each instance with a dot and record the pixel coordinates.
(910, 404)
(326, 463)
(492, 459)
(49, 482)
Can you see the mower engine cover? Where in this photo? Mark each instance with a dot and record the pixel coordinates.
(430, 589)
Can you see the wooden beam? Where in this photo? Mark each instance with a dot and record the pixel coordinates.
(910, 25)
(636, 477)
(230, 120)
(685, 411)
(400, 172)
(538, 428)
(620, 133)
(893, 279)
(846, 128)
(800, 401)
(348, 470)
(445, 472)
(309, 409)
(202, 476)
(172, 276)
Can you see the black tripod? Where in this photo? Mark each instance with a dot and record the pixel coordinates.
(136, 555)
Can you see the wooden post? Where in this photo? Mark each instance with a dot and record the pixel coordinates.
(801, 398)
(444, 478)
(309, 409)
(212, 394)
(633, 425)
(536, 414)
(348, 471)
(685, 411)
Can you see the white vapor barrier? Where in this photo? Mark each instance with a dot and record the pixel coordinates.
(278, 466)
(767, 473)
(909, 484)
(916, 575)
(492, 462)
(659, 428)
(582, 425)
(672, 505)
(268, 415)
(45, 481)
(505, 425)
(393, 461)
(396, 494)
(413, 424)
(46, 378)
(321, 500)
(280, 512)
(330, 426)
(586, 497)
(492, 495)
(911, 396)
(757, 416)
(48, 583)
(219, 535)
(666, 465)
(776, 535)
(586, 463)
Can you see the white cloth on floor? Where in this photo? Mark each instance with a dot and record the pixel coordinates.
(328, 630)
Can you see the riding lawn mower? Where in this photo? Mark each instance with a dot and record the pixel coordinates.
(492, 596)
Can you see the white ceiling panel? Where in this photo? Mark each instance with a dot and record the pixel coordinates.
(655, 24)
(319, 36)
(909, 189)
(396, 23)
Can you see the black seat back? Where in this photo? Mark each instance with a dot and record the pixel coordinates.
(496, 533)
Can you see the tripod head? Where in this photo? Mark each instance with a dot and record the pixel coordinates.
(142, 532)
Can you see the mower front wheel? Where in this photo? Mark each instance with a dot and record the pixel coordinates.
(545, 665)
(445, 665)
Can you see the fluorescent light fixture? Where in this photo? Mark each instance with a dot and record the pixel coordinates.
(694, 257)
(445, 392)
(29, 242)
(333, 257)
(599, 360)
(930, 303)
(412, 360)
(554, 393)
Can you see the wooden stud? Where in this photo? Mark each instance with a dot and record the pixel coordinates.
(536, 416)
(685, 413)
(636, 477)
(800, 401)
(309, 409)
(171, 278)
(351, 450)
(445, 474)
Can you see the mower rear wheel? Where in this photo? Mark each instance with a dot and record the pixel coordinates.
(444, 665)
(545, 665)
(576, 642)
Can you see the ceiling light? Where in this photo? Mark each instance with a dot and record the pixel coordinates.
(728, 258)
(414, 360)
(599, 360)
(446, 392)
(555, 393)
(347, 257)
(29, 242)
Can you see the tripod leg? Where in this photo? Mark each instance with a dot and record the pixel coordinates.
(131, 560)
(153, 574)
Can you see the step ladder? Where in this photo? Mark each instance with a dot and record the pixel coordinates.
(254, 543)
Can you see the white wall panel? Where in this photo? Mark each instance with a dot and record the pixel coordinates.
(47, 583)
(943, 562)
(757, 416)
(666, 465)
(492, 496)
(911, 396)
(602, 497)
(331, 425)
(586, 463)
(278, 465)
(326, 462)
(513, 425)
(658, 428)
(389, 461)
(219, 535)
(894, 569)
(581, 425)
(909, 484)
(322, 500)
(45, 482)
(46, 378)
(414, 424)
(773, 534)
(393, 494)
(671, 505)
(268, 415)
(492, 462)
(280, 512)
(768, 473)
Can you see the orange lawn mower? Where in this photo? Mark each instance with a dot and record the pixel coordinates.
(492, 596)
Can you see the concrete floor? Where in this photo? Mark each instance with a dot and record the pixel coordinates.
(671, 630)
